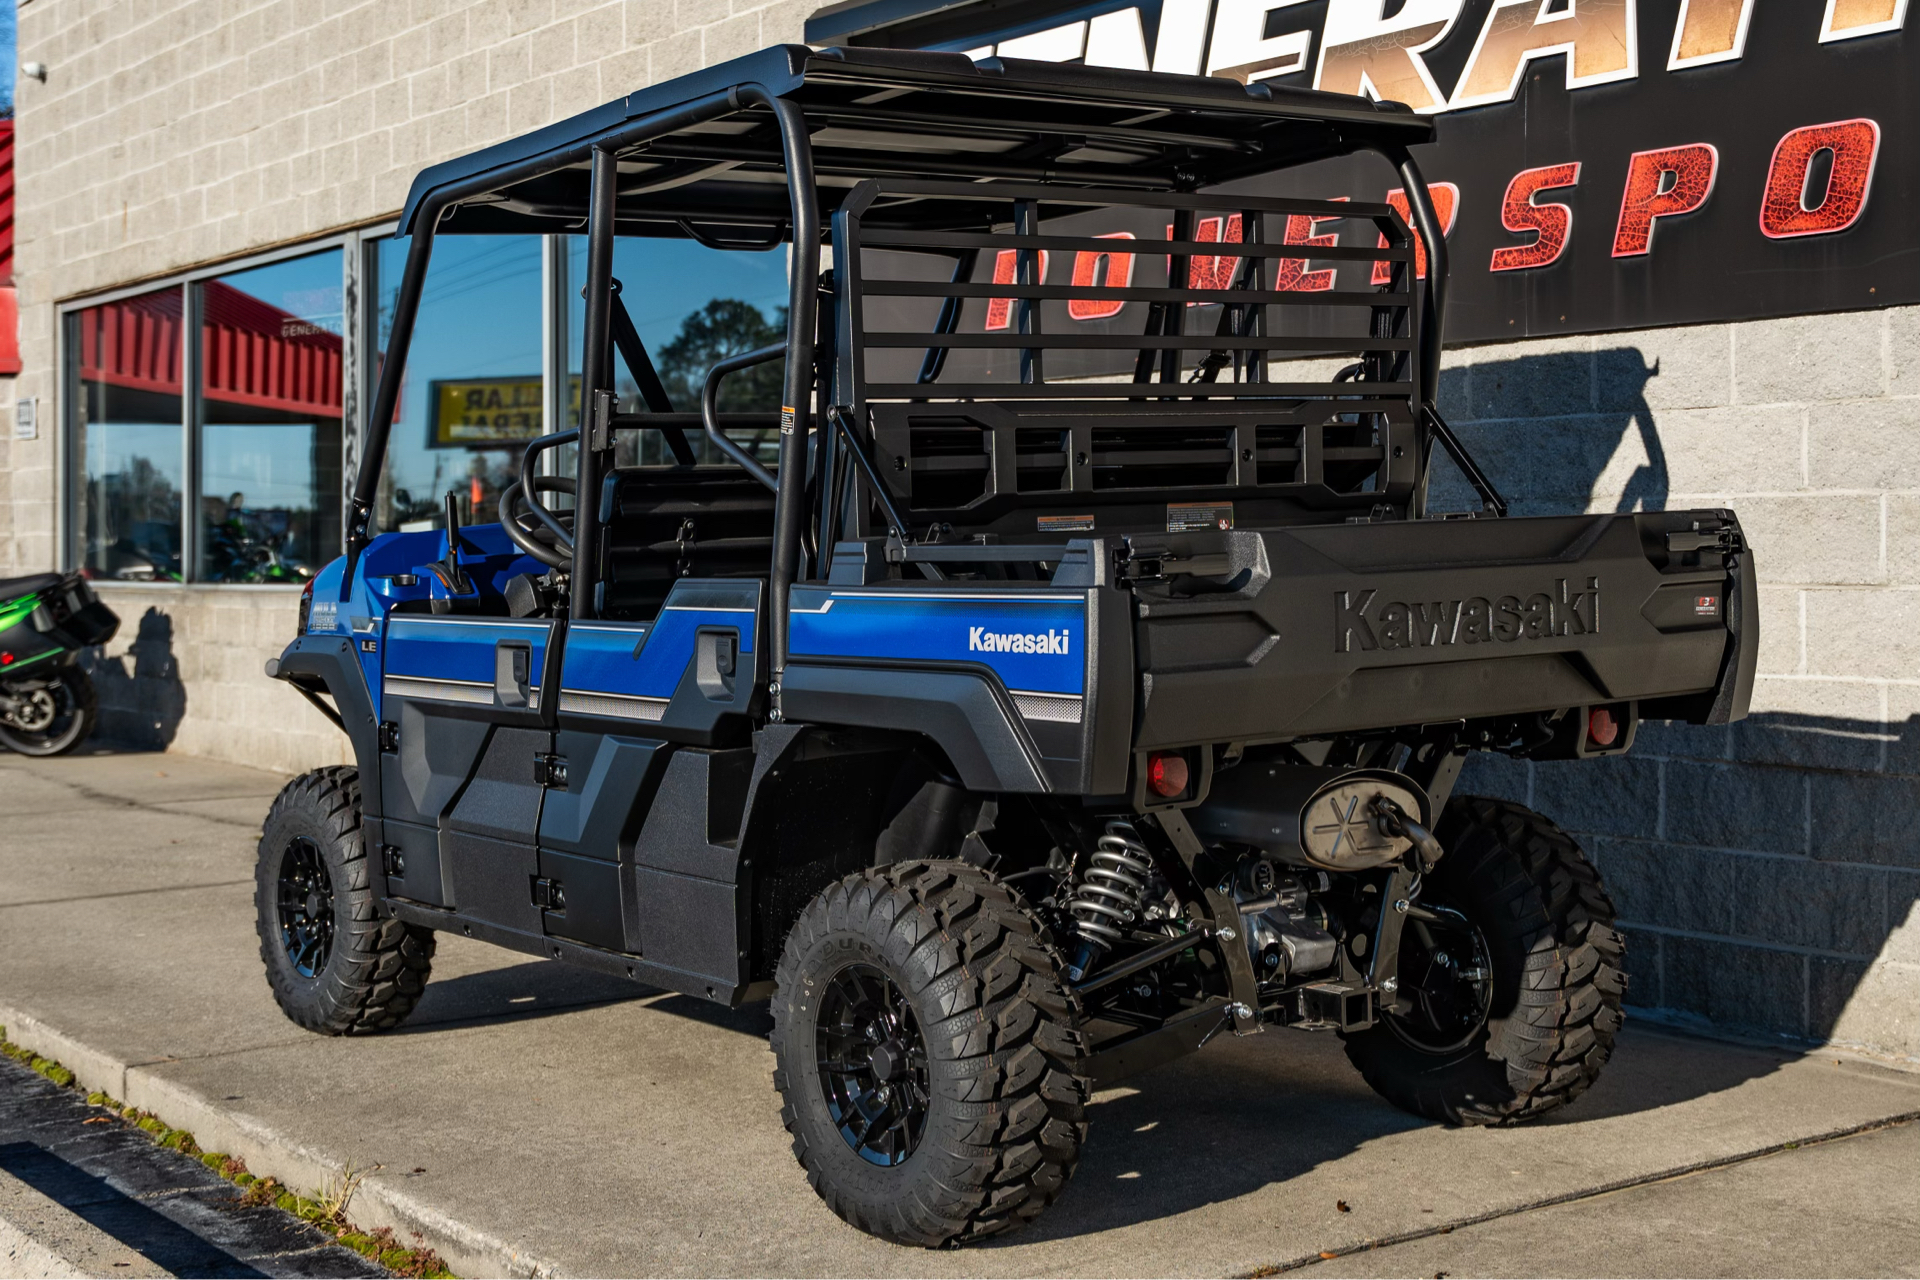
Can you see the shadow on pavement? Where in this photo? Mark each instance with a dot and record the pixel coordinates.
(158, 1238)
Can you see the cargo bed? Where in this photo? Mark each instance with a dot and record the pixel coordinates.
(1354, 627)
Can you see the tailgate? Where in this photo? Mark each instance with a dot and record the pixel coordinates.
(1346, 628)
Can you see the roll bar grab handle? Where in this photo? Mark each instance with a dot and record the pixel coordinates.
(710, 408)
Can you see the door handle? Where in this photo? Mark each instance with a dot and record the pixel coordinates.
(715, 655)
(512, 673)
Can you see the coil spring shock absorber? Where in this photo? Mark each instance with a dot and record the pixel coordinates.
(1108, 897)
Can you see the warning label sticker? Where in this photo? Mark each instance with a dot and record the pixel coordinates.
(1184, 517)
(1064, 524)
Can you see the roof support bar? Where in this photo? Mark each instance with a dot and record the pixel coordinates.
(596, 382)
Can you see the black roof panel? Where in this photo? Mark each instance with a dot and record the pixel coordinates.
(885, 112)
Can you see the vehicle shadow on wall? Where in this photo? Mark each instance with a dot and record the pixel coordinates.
(1558, 434)
(142, 698)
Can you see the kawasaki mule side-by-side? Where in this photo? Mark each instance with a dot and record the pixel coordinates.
(1086, 679)
(47, 704)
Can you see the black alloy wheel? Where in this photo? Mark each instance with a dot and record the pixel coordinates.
(873, 1064)
(1447, 978)
(306, 907)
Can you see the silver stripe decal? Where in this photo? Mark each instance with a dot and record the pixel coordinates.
(437, 690)
(1057, 707)
(620, 706)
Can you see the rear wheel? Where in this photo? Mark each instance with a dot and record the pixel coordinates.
(1508, 1005)
(335, 965)
(926, 1050)
(50, 716)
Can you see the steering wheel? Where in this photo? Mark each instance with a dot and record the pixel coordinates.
(514, 497)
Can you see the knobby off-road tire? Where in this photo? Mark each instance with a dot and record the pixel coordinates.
(335, 964)
(75, 709)
(1556, 969)
(1005, 1110)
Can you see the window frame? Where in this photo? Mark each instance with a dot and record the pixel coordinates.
(360, 326)
(354, 377)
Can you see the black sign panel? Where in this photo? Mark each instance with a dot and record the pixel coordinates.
(1612, 164)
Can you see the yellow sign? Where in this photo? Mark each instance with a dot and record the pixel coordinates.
(478, 413)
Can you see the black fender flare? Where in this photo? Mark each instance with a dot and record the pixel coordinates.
(313, 663)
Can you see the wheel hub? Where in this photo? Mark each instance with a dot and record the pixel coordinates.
(1445, 983)
(35, 710)
(873, 1064)
(305, 905)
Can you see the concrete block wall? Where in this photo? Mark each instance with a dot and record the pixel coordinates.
(166, 684)
(1768, 871)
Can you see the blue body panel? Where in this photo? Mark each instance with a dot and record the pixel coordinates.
(1033, 639)
(450, 649)
(362, 606)
(645, 660)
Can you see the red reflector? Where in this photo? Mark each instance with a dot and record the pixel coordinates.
(1167, 775)
(1602, 729)
(5, 659)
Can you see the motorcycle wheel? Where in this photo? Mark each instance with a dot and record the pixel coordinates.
(51, 716)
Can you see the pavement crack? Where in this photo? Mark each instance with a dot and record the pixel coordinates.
(125, 893)
(1590, 1193)
(83, 792)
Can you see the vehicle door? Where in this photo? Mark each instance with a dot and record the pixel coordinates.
(632, 695)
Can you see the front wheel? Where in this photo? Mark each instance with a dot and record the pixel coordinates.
(1508, 1004)
(50, 716)
(926, 1051)
(335, 964)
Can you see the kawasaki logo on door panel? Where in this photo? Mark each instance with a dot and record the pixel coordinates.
(981, 640)
(1359, 622)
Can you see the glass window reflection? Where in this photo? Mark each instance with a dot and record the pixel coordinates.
(271, 363)
(471, 397)
(126, 437)
(692, 306)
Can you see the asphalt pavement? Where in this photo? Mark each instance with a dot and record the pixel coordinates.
(532, 1119)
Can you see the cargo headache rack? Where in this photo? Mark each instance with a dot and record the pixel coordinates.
(1040, 384)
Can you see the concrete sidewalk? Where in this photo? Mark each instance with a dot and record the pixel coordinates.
(530, 1118)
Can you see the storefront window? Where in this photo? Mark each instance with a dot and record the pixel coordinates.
(471, 397)
(269, 456)
(127, 437)
(692, 306)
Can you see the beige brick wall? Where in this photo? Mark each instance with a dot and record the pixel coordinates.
(1769, 872)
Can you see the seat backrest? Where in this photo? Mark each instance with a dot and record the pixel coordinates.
(666, 523)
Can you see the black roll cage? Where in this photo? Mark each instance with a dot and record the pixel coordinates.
(1348, 124)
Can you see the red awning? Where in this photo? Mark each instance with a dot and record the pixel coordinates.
(252, 354)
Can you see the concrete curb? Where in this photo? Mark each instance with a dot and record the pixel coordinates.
(216, 1126)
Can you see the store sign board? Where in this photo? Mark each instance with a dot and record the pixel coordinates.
(1612, 164)
(484, 413)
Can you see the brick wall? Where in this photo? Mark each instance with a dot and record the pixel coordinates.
(1769, 870)
(166, 684)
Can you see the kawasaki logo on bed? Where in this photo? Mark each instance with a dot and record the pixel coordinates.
(1362, 621)
(981, 640)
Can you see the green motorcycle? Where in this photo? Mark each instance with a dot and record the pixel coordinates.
(47, 703)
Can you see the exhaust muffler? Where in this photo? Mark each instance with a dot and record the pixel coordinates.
(1332, 818)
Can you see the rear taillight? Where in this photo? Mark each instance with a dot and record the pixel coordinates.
(1602, 729)
(1167, 774)
(306, 608)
